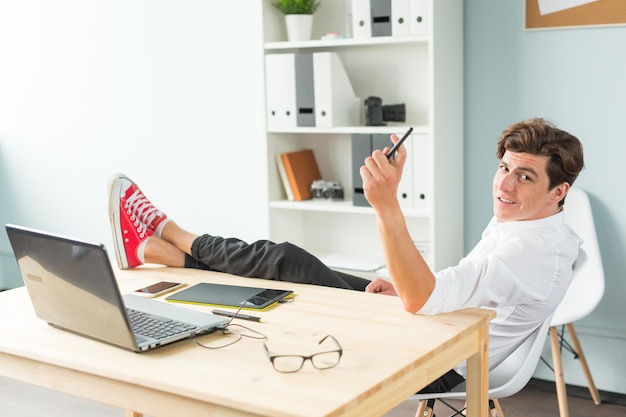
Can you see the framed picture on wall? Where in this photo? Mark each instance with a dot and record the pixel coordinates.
(558, 14)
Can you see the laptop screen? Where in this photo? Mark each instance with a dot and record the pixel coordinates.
(71, 284)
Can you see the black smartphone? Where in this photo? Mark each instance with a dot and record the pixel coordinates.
(159, 288)
(395, 147)
(267, 298)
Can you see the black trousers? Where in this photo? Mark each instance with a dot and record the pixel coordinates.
(282, 262)
(268, 260)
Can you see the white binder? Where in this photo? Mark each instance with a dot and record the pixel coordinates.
(400, 17)
(420, 19)
(414, 187)
(406, 192)
(361, 19)
(421, 169)
(335, 101)
(280, 90)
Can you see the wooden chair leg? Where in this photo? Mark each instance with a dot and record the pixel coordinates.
(561, 391)
(424, 409)
(421, 407)
(130, 413)
(583, 363)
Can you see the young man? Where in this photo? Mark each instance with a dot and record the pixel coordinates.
(525, 260)
(521, 267)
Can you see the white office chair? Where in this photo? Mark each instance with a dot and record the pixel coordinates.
(581, 298)
(505, 380)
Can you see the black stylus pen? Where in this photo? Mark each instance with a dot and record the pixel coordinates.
(395, 147)
(236, 315)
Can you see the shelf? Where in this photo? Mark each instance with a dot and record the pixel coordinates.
(335, 207)
(423, 72)
(344, 42)
(348, 130)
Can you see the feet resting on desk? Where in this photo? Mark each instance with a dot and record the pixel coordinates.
(144, 234)
(134, 219)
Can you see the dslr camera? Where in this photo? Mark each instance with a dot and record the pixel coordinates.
(376, 114)
(327, 190)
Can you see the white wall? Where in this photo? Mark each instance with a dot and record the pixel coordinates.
(169, 92)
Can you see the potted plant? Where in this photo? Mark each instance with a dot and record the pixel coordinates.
(298, 17)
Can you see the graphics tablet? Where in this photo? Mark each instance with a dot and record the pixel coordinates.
(252, 298)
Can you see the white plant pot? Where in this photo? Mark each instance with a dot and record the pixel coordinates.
(299, 27)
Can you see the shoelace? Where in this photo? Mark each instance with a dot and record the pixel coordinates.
(137, 205)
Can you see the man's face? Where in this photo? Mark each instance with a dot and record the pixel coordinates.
(520, 188)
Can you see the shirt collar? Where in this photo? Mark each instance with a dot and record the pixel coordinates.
(555, 220)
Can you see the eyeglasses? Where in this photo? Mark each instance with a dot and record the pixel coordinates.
(293, 363)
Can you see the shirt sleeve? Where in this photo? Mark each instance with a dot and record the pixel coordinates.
(507, 275)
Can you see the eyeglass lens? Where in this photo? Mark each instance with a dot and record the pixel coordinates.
(323, 360)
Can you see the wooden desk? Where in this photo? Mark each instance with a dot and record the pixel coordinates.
(389, 354)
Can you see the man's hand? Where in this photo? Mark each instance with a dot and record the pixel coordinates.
(381, 177)
(381, 286)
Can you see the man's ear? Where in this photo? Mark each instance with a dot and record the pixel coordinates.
(560, 191)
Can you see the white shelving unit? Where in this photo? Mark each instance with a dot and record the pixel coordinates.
(425, 73)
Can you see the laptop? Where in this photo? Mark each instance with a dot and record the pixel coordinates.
(72, 286)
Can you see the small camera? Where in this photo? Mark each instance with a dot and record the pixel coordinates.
(376, 114)
(327, 190)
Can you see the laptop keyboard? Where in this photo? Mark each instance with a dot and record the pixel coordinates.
(156, 327)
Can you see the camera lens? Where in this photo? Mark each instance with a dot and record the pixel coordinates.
(394, 113)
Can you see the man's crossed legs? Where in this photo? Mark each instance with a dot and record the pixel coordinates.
(144, 234)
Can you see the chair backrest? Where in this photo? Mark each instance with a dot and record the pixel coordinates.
(515, 371)
(587, 288)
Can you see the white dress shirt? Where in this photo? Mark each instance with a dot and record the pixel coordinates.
(520, 269)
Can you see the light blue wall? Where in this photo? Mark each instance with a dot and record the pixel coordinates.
(577, 79)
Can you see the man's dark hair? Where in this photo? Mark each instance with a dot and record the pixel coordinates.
(539, 137)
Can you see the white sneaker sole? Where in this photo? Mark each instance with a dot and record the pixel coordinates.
(115, 190)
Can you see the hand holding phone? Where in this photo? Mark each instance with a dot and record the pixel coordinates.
(395, 147)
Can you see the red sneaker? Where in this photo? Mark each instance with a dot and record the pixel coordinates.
(136, 204)
(133, 219)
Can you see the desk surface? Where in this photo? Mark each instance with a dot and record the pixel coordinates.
(389, 354)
